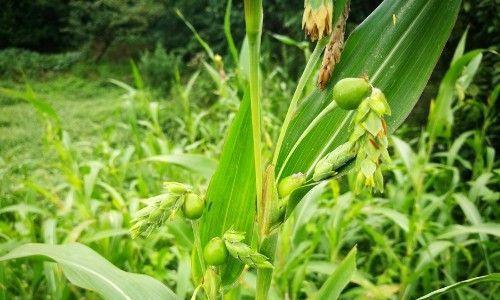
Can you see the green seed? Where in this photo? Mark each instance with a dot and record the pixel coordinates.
(193, 206)
(288, 184)
(215, 252)
(349, 92)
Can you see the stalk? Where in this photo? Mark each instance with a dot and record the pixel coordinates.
(253, 20)
(197, 244)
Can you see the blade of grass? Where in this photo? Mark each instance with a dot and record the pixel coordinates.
(495, 277)
(339, 279)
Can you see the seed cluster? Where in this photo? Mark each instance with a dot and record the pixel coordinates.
(243, 252)
(215, 252)
(159, 208)
(368, 141)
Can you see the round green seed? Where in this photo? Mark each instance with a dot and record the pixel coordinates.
(193, 206)
(215, 252)
(288, 184)
(349, 92)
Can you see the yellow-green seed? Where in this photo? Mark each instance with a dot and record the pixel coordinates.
(215, 252)
(288, 184)
(349, 92)
(193, 206)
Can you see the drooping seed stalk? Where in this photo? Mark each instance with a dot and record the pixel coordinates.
(304, 78)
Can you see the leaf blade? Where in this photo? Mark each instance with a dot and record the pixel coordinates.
(495, 277)
(399, 51)
(230, 199)
(87, 269)
(339, 279)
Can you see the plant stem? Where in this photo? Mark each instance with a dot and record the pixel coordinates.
(253, 20)
(304, 78)
(197, 244)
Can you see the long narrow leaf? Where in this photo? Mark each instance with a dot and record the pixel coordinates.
(196, 163)
(338, 280)
(87, 269)
(398, 58)
(231, 193)
(495, 277)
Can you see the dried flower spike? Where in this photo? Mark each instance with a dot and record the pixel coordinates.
(317, 18)
(333, 50)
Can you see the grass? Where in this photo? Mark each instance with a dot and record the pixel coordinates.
(87, 107)
(434, 225)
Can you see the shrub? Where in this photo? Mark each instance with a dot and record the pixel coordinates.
(158, 68)
(15, 62)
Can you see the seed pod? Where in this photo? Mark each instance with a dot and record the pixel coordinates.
(193, 206)
(349, 92)
(333, 161)
(288, 184)
(215, 252)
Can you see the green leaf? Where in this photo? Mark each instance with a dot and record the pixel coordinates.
(290, 42)
(338, 280)
(230, 199)
(459, 51)
(405, 152)
(485, 228)
(427, 255)
(469, 209)
(200, 40)
(398, 218)
(87, 269)
(182, 232)
(452, 153)
(441, 115)
(397, 58)
(196, 163)
(42, 107)
(495, 277)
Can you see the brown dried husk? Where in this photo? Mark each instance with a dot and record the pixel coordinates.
(333, 50)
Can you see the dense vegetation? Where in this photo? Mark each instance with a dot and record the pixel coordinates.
(100, 107)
